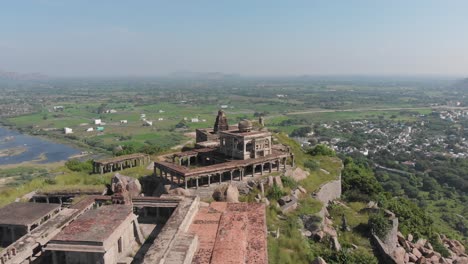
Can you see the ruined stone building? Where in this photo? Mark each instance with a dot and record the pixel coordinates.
(224, 153)
(18, 219)
(108, 234)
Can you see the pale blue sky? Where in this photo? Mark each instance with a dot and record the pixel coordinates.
(107, 38)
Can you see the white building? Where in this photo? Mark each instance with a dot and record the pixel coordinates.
(123, 121)
(97, 121)
(224, 106)
(148, 123)
(90, 129)
(160, 119)
(195, 120)
(68, 130)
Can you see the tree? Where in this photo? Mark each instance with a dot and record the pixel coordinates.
(358, 181)
(322, 150)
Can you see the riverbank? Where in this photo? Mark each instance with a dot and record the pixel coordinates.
(10, 152)
(53, 137)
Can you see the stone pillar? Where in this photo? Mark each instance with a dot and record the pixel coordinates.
(284, 163)
(47, 199)
(220, 177)
(185, 180)
(180, 161)
(253, 169)
(188, 161)
(13, 239)
(101, 169)
(293, 161)
(197, 182)
(209, 180)
(231, 174)
(277, 165)
(270, 166)
(54, 257)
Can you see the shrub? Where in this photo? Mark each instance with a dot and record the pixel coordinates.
(322, 150)
(311, 165)
(76, 165)
(288, 182)
(275, 193)
(379, 224)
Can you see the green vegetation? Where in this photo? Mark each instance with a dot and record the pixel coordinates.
(322, 150)
(379, 224)
(76, 165)
(359, 182)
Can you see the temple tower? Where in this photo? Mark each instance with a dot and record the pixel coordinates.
(221, 123)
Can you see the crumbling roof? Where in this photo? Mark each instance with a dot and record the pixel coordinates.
(25, 213)
(95, 225)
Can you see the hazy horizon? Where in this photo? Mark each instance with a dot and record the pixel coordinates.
(261, 38)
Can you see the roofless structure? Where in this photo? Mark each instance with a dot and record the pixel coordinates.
(119, 163)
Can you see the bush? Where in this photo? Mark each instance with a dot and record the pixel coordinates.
(379, 224)
(311, 165)
(275, 193)
(76, 165)
(288, 182)
(359, 180)
(322, 150)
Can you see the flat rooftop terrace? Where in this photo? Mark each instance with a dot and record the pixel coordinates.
(25, 213)
(95, 225)
(231, 233)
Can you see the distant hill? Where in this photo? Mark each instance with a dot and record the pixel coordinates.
(5, 75)
(202, 75)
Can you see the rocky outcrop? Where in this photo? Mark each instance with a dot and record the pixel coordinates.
(179, 191)
(396, 249)
(226, 193)
(297, 174)
(329, 191)
(131, 185)
(288, 203)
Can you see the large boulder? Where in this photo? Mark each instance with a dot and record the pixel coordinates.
(297, 174)
(226, 193)
(179, 191)
(278, 182)
(319, 260)
(232, 194)
(131, 185)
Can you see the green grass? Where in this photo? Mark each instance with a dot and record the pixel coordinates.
(291, 246)
(65, 180)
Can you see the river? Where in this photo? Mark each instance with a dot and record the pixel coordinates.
(17, 148)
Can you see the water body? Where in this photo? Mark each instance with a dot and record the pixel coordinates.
(34, 148)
